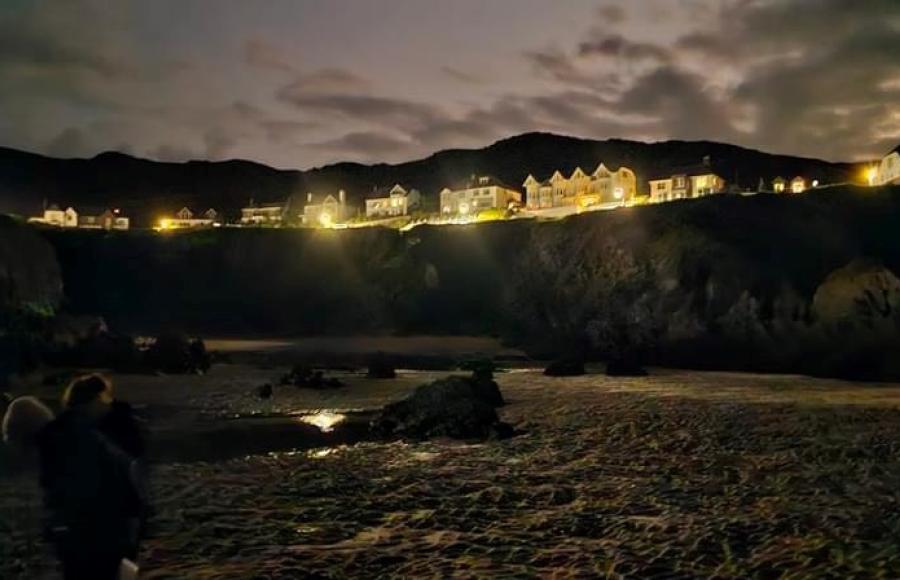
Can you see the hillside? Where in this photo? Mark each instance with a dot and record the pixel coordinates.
(146, 189)
(791, 283)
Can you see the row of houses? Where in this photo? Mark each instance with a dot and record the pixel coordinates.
(96, 219)
(604, 188)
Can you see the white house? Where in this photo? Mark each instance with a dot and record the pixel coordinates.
(105, 219)
(54, 216)
(686, 182)
(888, 171)
(478, 193)
(581, 190)
(325, 210)
(186, 219)
(396, 201)
(98, 219)
(263, 214)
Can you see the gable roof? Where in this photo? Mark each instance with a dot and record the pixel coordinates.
(692, 169)
(474, 182)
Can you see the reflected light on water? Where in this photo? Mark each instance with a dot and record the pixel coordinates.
(324, 420)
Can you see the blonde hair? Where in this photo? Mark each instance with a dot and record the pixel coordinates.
(24, 418)
(87, 389)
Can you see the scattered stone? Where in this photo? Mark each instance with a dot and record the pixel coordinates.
(264, 391)
(458, 407)
(381, 368)
(567, 366)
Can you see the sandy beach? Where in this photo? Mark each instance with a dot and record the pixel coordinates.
(680, 474)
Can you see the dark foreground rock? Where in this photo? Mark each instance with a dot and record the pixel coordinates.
(176, 354)
(565, 367)
(380, 367)
(458, 407)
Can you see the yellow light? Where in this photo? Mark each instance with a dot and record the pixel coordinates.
(463, 209)
(325, 219)
(165, 224)
(871, 174)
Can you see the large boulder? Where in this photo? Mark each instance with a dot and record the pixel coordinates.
(380, 367)
(305, 377)
(458, 407)
(177, 354)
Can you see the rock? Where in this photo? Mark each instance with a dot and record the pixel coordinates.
(381, 368)
(68, 331)
(264, 391)
(305, 377)
(565, 367)
(176, 354)
(458, 407)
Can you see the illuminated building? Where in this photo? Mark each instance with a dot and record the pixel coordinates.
(186, 219)
(478, 193)
(396, 201)
(581, 190)
(97, 219)
(686, 182)
(264, 214)
(888, 171)
(325, 210)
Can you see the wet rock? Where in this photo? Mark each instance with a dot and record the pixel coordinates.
(305, 377)
(565, 367)
(380, 367)
(458, 407)
(176, 354)
(264, 391)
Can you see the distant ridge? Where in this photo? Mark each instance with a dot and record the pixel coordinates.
(146, 189)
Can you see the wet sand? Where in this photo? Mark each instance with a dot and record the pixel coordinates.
(680, 474)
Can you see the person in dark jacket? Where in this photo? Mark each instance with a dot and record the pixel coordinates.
(91, 476)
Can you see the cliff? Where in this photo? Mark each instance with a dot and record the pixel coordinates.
(782, 283)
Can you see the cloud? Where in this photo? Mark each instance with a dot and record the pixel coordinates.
(369, 145)
(70, 142)
(261, 54)
(616, 46)
(462, 76)
(612, 13)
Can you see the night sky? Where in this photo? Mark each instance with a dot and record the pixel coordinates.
(300, 83)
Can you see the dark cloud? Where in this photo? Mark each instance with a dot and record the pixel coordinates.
(369, 145)
(618, 47)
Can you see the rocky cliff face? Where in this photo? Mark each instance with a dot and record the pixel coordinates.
(794, 283)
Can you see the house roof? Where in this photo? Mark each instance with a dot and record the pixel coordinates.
(386, 191)
(693, 169)
(895, 149)
(472, 182)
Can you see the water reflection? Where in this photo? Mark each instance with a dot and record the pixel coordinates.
(324, 420)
